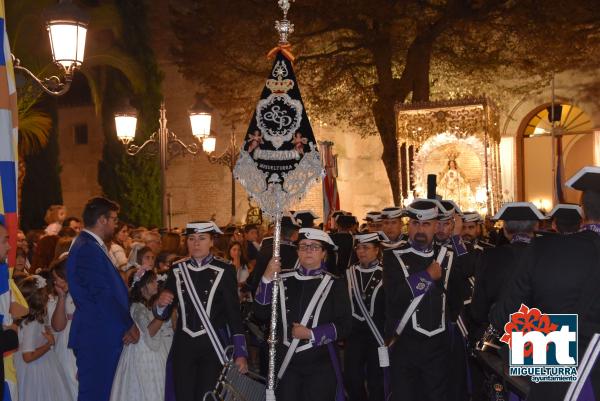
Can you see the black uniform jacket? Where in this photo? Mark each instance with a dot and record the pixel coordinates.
(440, 296)
(332, 312)
(288, 254)
(553, 278)
(498, 266)
(216, 285)
(372, 294)
(345, 244)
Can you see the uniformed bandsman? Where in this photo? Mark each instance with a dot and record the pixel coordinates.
(314, 312)
(361, 353)
(306, 218)
(566, 218)
(374, 222)
(287, 250)
(204, 290)
(334, 216)
(473, 230)
(458, 325)
(419, 286)
(391, 218)
(561, 276)
(499, 264)
(497, 267)
(344, 240)
(445, 227)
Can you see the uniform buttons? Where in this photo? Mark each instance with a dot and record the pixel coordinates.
(211, 281)
(206, 291)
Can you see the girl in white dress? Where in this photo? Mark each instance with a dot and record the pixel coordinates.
(60, 314)
(40, 376)
(141, 371)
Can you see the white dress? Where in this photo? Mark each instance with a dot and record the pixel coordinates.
(117, 255)
(63, 352)
(43, 379)
(141, 371)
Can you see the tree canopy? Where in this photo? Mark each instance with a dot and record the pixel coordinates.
(356, 60)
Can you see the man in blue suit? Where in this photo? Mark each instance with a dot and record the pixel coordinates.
(101, 323)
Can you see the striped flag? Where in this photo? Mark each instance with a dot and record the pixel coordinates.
(331, 199)
(8, 184)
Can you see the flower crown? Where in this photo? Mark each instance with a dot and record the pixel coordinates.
(40, 282)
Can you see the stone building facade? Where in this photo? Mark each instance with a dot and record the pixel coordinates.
(201, 190)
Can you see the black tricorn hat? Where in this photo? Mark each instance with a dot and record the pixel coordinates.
(514, 211)
(424, 209)
(345, 220)
(306, 218)
(588, 178)
(566, 212)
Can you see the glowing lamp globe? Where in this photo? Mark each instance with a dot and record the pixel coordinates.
(200, 122)
(67, 30)
(209, 144)
(125, 124)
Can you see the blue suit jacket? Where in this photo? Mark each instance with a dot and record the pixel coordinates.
(102, 305)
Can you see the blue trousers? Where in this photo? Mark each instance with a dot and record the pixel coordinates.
(96, 369)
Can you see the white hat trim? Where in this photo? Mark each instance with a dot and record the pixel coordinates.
(530, 205)
(393, 214)
(566, 206)
(366, 238)
(204, 227)
(588, 169)
(317, 235)
(426, 214)
(471, 217)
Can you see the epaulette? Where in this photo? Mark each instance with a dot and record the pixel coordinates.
(263, 240)
(285, 273)
(219, 259)
(486, 244)
(393, 245)
(333, 276)
(179, 261)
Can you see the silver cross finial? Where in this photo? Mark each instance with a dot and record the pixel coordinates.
(284, 27)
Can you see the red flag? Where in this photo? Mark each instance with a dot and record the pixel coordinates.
(331, 199)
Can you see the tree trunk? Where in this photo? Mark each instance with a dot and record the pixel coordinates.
(384, 108)
(391, 91)
(385, 119)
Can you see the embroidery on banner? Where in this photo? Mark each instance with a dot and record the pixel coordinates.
(278, 116)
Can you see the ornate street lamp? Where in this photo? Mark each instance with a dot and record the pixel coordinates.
(167, 145)
(67, 30)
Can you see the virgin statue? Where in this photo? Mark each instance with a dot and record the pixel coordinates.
(453, 185)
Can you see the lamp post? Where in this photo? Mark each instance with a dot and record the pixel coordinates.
(229, 158)
(67, 30)
(167, 145)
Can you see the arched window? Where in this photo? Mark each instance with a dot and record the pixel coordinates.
(548, 152)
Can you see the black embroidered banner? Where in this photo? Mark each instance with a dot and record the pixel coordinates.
(279, 159)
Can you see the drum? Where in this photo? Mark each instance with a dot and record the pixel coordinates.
(234, 386)
(488, 352)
